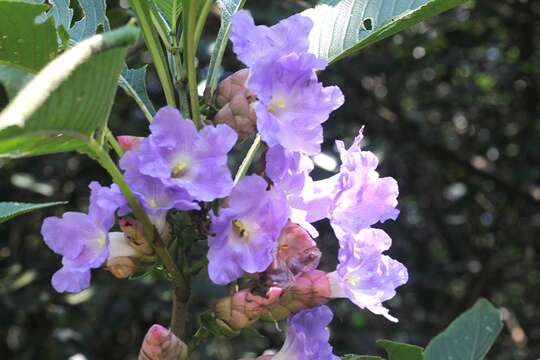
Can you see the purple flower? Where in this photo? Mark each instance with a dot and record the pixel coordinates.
(364, 274)
(307, 336)
(253, 44)
(292, 103)
(82, 239)
(309, 200)
(246, 231)
(191, 165)
(363, 198)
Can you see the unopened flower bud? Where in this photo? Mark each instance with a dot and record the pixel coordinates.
(239, 115)
(297, 249)
(234, 101)
(310, 289)
(128, 142)
(121, 256)
(161, 344)
(134, 234)
(231, 86)
(244, 307)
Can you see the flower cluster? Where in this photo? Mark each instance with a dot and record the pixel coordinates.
(260, 225)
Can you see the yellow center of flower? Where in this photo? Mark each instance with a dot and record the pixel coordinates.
(353, 280)
(277, 104)
(179, 169)
(240, 228)
(153, 203)
(101, 241)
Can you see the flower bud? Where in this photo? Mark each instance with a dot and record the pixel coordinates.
(134, 234)
(296, 253)
(234, 101)
(297, 249)
(310, 289)
(232, 85)
(121, 256)
(239, 115)
(161, 344)
(128, 142)
(244, 307)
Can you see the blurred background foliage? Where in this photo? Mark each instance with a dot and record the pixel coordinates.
(450, 106)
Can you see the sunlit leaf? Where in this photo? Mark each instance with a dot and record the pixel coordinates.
(25, 44)
(94, 17)
(342, 27)
(68, 101)
(9, 210)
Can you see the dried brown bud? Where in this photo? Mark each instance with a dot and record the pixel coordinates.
(161, 344)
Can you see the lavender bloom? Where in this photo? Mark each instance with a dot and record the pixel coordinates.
(364, 274)
(246, 231)
(309, 200)
(253, 44)
(307, 336)
(363, 198)
(193, 165)
(292, 103)
(82, 239)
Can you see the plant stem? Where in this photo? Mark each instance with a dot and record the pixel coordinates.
(180, 300)
(244, 166)
(140, 7)
(150, 233)
(202, 20)
(114, 144)
(190, 14)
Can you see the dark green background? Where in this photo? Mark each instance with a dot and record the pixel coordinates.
(451, 107)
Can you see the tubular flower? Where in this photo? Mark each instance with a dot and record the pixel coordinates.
(292, 103)
(246, 231)
(255, 44)
(190, 163)
(307, 336)
(364, 274)
(82, 239)
(309, 200)
(363, 198)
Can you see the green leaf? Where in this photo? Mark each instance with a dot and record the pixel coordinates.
(13, 79)
(61, 13)
(9, 210)
(25, 44)
(133, 82)
(228, 9)
(470, 336)
(401, 351)
(360, 357)
(94, 16)
(68, 101)
(171, 9)
(342, 27)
